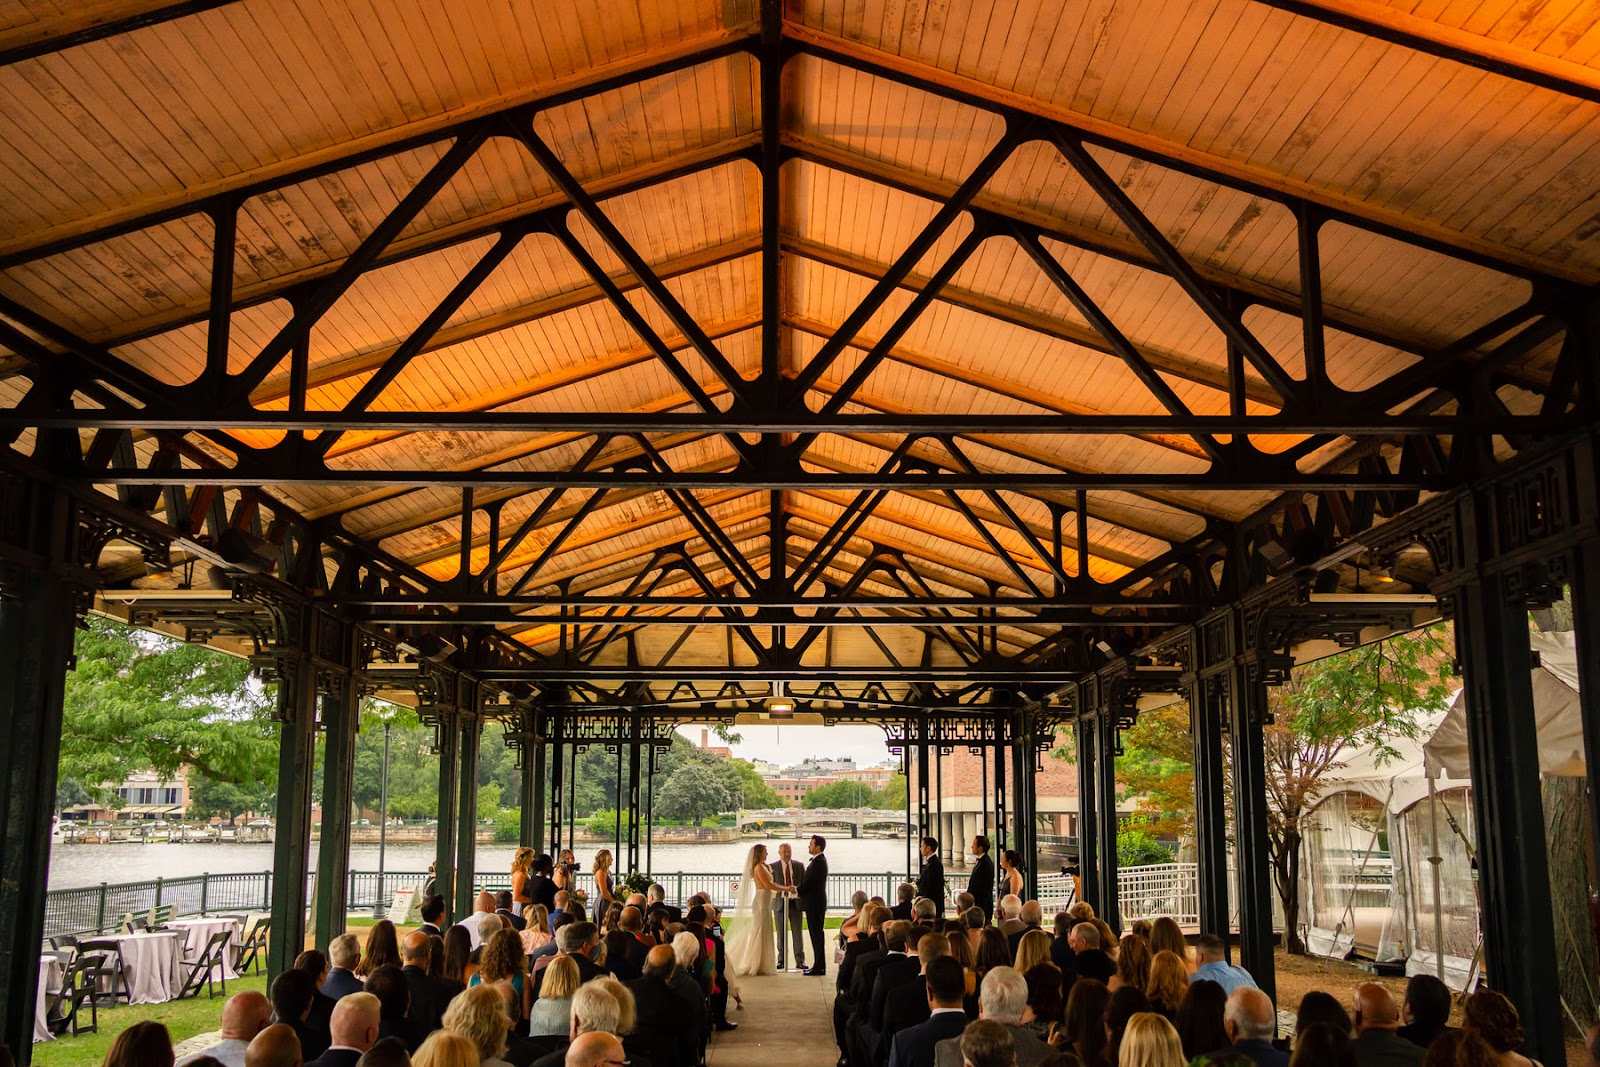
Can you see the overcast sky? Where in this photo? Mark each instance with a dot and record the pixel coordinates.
(785, 745)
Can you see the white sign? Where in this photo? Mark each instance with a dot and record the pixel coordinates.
(406, 909)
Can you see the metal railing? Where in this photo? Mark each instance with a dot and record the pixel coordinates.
(96, 909)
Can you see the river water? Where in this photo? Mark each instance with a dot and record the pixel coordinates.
(72, 866)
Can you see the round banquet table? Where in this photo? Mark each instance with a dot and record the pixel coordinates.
(49, 978)
(152, 963)
(197, 932)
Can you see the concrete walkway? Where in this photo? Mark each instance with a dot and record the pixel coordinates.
(787, 1019)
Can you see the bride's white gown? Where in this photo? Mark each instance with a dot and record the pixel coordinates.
(752, 949)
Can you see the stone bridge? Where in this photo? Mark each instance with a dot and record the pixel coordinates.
(800, 821)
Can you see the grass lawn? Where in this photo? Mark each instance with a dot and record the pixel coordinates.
(183, 1018)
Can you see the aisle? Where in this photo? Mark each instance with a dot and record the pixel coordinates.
(787, 1015)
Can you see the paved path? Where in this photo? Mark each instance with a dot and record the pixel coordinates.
(787, 1019)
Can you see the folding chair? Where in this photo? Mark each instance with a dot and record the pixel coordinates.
(111, 971)
(161, 915)
(127, 924)
(80, 984)
(203, 968)
(252, 948)
(64, 942)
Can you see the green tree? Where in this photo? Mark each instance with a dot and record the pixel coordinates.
(1137, 845)
(839, 795)
(693, 792)
(139, 701)
(752, 790)
(1364, 698)
(70, 792)
(209, 798)
(894, 794)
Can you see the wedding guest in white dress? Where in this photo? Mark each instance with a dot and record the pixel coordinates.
(751, 948)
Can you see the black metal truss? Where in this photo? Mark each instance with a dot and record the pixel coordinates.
(200, 500)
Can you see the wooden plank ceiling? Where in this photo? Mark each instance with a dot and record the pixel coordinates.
(1453, 194)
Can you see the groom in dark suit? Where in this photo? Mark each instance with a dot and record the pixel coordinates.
(812, 893)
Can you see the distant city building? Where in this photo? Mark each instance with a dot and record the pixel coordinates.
(144, 795)
(813, 767)
(764, 767)
(719, 751)
(792, 790)
(876, 777)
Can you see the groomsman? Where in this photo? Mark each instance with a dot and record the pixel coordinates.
(786, 872)
(930, 880)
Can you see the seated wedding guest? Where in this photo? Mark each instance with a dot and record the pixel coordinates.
(1108, 939)
(386, 1052)
(1089, 960)
(595, 1050)
(389, 985)
(1150, 1041)
(1377, 1018)
(502, 962)
(1002, 999)
(1033, 948)
(984, 1044)
(1031, 915)
(1044, 999)
(428, 997)
(433, 913)
(315, 964)
(536, 931)
(435, 956)
(943, 986)
(1426, 1010)
(627, 1009)
(482, 909)
(1133, 964)
(244, 1015)
(852, 923)
(594, 1011)
(1124, 1004)
(1169, 983)
(1251, 1024)
(144, 1044)
(1167, 936)
(457, 956)
(292, 994)
(552, 1012)
(662, 1031)
(503, 902)
(276, 1046)
(479, 1015)
(992, 951)
(657, 896)
(1061, 944)
(962, 952)
(1200, 1023)
(1319, 1007)
(1323, 1045)
(1212, 953)
(580, 942)
(903, 898)
(1460, 1049)
(344, 955)
(1083, 1028)
(1010, 916)
(353, 1030)
(383, 948)
(446, 1048)
(687, 981)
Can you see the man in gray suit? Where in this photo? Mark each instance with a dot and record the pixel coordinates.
(1002, 999)
(787, 871)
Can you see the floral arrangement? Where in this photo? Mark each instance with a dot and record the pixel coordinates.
(636, 882)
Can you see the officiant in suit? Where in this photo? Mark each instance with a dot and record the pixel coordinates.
(812, 897)
(787, 871)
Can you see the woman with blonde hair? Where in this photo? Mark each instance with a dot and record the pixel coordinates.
(627, 1011)
(552, 1012)
(479, 1015)
(521, 863)
(1169, 981)
(602, 877)
(963, 952)
(445, 1048)
(852, 923)
(1150, 1041)
(1108, 940)
(1033, 948)
(1081, 912)
(1133, 964)
(502, 963)
(565, 874)
(536, 934)
(1167, 936)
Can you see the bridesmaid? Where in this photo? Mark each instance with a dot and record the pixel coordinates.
(1011, 874)
(602, 878)
(521, 891)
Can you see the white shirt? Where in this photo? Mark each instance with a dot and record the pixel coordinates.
(229, 1051)
(471, 924)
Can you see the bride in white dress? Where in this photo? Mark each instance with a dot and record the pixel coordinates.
(751, 948)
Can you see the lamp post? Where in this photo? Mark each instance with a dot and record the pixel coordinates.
(378, 906)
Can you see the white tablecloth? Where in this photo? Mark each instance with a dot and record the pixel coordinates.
(49, 978)
(152, 965)
(198, 932)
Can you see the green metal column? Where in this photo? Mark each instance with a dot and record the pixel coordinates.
(341, 715)
(444, 858)
(36, 631)
(1024, 800)
(471, 732)
(1088, 805)
(291, 842)
(533, 783)
(1105, 780)
(1248, 719)
(635, 775)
